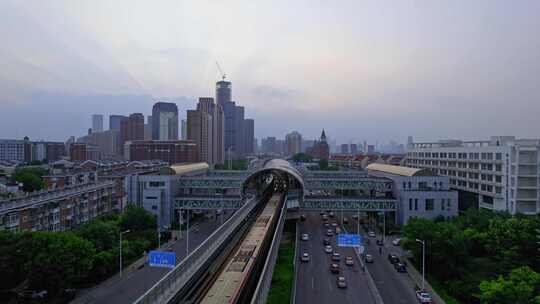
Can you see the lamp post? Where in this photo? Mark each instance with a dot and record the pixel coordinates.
(187, 233)
(423, 261)
(384, 227)
(122, 233)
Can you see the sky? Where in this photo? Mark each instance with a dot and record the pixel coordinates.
(362, 70)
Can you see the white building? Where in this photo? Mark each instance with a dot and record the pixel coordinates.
(419, 192)
(12, 149)
(293, 143)
(503, 172)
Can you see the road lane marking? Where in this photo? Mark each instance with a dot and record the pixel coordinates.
(330, 285)
(313, 283)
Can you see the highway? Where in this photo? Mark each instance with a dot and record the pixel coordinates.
(394, 287)
(133, 284)
(315, 283)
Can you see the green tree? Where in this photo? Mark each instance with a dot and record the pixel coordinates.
(323, 164)
(10, 259)
(136, 218)
(302, 158)
(521, 286)
(56, 260)
(103, 235)
(30, 181)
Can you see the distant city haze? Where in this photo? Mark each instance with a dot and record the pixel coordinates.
(362, 70)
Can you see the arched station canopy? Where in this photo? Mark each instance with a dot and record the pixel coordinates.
(276, 164)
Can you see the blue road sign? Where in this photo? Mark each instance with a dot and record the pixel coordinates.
(162, 259)
(349, 240)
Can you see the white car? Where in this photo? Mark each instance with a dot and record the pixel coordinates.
(371, 234)
(423, 297)
(305, 237)
(396, 242)
(328, 249)
(305, 257)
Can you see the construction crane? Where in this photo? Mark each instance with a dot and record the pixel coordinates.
(223, 76)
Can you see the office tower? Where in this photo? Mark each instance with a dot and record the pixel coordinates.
(410, 142)
(115, 120)
(249, 136)
(12, 149)
(223, 92)
(183, 129)
(370, 149)
(293, 143)
(106, 142)
(171, 151)
(208, 106)
(97, 123)
(148, 128)
(164, 121)
(344, 148)
(501, 173)
(354, 149)
(199, 130)
(131, 128)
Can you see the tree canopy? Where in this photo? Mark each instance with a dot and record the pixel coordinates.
(136, 219)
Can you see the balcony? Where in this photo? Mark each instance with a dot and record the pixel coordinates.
(486, 206)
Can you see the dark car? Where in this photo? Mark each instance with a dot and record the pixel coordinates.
(326, 241)
(379, 242)
(334, 268)
(400, 267)
(302, 217)
(393, 258)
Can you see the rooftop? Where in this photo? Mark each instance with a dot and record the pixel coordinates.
(178, 169)
(399, 170)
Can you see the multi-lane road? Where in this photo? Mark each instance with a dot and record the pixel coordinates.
(315, 283)
(133, 284)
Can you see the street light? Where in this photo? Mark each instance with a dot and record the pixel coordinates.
(122, 233)
(423, 261)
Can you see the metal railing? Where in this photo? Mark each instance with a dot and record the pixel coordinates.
(263, 286)
(166, 288)
(295, 265)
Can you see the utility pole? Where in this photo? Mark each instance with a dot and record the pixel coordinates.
(121, 233)
(423, 262)
(187, 233)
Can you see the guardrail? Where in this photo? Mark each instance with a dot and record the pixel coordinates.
(166, 288)
(295, 265)
(263, 286)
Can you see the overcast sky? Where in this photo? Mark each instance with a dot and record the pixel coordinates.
(363, 70)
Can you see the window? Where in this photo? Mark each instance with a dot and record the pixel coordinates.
(410, 204)
(410, 185)
(448, 204)
(415, 204)
(498, 178)
(151, 197)
(442, 204)
(429, 204)
(498, 168)
(498, 156)
(498, 190)
(154, 207)
(156, 184)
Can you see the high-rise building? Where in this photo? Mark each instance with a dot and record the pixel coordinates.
(132, 128)
(293, 142)
(115, 121)
(370, 149)
(82, 151)
(164, 121)
(148, 128)
(171, 151)
(199, 130)
(223, 92)
(97, 123)
(183, 129)
(107, 143)
(344, 148)
(501, 173)
(249, 136)
(208, 106)
(354, 149)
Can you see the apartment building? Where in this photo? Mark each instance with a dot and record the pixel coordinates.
(59, 209)
(502, 173)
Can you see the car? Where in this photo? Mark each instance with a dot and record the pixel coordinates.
(393, 258)
(331, 214)
(336, 257)
(400, 267)
(371, 234)
(305, 257)
(341, 282)
(326, 241)
(329, 232)
(326, 225)
(423, 297)
(324, 217)
(396, 242)
(338, 231)
(334, 268)
(328, 249)
(302, 218)
(355, 216)
(345, 220)
(349, 261)
(305, 237)
(368, 258)
(322, 213)
(379, 242)
(334, 224)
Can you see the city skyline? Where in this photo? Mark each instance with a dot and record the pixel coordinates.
(381, 70)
